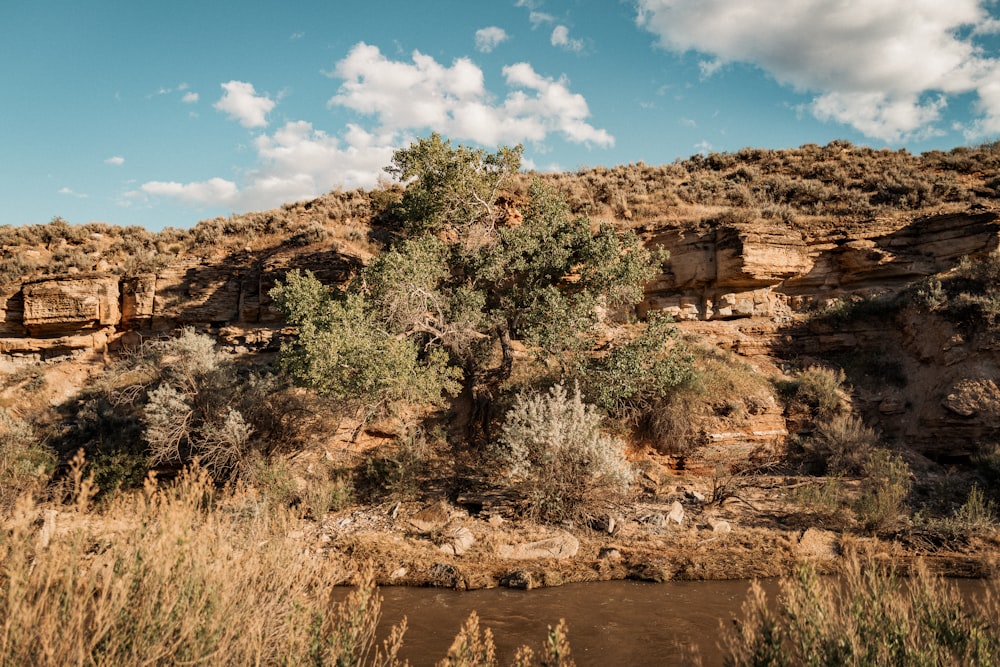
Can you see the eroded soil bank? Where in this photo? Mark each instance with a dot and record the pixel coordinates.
(678, 535)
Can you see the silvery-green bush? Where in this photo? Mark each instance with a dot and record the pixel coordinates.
(552, 449)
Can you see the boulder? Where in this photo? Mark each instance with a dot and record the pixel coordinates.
(431, 517)
(676, 514)
(817, 544)
(720, 527)
(456, 541)
(562, 545)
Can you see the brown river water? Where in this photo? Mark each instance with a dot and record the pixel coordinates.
(610, 623)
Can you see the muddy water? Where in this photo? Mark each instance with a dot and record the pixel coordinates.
(610, 623)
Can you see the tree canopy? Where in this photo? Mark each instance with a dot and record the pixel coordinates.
(458, 283)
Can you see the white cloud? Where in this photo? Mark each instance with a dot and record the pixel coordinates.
(553, 106)
(560, 37)
(885, 68)
(242, 103)
(490, 38)
(709, 67)
(538, 19)
(425, 95)
(295, 162)
(72, 193)
(116, 160)
(298, 161)
(190, 98)
(213, 192)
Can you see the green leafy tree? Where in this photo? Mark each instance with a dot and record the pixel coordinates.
(459, 282)
(451, 188)
(345, 351)
(632, 379)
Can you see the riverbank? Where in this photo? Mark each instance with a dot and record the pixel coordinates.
(682, 535)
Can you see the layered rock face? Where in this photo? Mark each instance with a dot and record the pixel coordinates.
(70, 304)
(773, 270)
(60, 314)
(747, 280)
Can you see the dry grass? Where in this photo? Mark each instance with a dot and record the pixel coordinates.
(176, 574)
(185, 574)
(723, 388)
(871, 618)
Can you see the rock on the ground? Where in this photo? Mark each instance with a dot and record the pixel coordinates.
(817, 544)
(456, 541)
(562, 545)
(720, 527)
(676, 514)
(431, 517)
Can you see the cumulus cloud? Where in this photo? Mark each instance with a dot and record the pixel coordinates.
(425, 95)
(886, 68)
(560, 37)
(190, 98)
(241, 102)
(490, 38)
(116, 160)
(72, 193)
(296, 162)
(215, 191)
(403, 99)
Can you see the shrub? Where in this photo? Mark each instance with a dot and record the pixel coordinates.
(885, 486)
(819, 389)
(176, 400)
(671, 391)
(988, 462)
(977, 512)
(345, 352)
(552, 448)
(396, 471)
(631, 379)
(824, 499)
(25, 463)
(966, 296)
(841, 445)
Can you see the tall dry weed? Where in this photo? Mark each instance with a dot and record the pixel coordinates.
(870, 616)
(176, 574)
(184, 574)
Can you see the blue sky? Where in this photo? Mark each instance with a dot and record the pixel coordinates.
(164, 113)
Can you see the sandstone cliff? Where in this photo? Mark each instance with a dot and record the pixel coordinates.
(759, 242)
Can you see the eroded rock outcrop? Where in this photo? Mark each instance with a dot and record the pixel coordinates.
(59, 313)
(740, 284)
(771, 269)
(62, 305)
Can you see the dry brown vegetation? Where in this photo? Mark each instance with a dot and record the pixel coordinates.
(186, 573)
(871, 617)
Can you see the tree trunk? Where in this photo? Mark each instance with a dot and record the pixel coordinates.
(507, 365)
